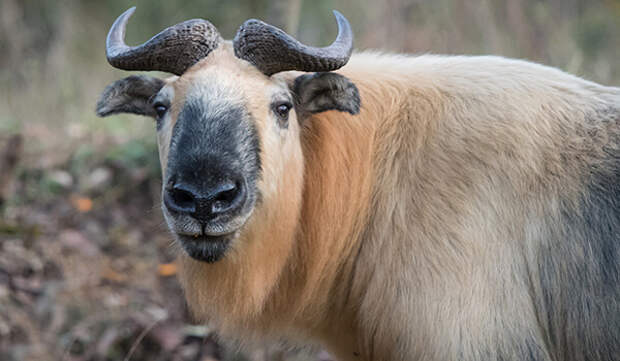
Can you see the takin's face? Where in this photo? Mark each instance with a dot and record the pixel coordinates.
(229, 142)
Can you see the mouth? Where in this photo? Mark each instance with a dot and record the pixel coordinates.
(206, 241)
(205, 248)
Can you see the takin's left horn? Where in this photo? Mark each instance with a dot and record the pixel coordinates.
(272, 50)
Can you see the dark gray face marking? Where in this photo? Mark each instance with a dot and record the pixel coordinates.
(211, 175)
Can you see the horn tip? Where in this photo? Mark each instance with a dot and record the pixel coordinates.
(339, 16)
(130, 11)
(127, 14)
(341, 19)
(116, 35)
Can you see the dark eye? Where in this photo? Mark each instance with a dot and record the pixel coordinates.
(160, 109)
(281, 110)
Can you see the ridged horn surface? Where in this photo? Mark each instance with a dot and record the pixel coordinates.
(272, 50)
(173, 50)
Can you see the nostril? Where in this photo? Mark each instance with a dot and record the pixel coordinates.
(226, 197)
(227, 193)
(181, 200)
(182, 197)
(208, 203)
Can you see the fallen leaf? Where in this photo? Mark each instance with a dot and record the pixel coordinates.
(167, 269)
(82, 204)
(111, 275)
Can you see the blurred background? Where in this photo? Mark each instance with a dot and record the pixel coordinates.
(86, 267)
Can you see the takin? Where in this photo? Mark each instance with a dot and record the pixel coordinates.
(399, 208)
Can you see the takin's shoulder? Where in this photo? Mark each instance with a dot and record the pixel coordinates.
(483, 96)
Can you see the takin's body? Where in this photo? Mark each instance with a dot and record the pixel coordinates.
(470, 212)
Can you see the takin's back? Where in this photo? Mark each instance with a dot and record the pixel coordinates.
(494, 227)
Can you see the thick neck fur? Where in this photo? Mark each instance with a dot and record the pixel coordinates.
(294, 266)
(338, 177)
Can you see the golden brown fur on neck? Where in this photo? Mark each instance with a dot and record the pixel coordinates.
(291, 269)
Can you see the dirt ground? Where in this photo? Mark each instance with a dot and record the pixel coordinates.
(86, 263)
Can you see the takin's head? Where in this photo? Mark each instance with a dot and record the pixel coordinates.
(229, 122)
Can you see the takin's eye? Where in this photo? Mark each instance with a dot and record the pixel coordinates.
(281, 110)
(160, 109)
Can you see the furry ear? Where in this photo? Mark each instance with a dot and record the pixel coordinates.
(319, 92)
(129, 95)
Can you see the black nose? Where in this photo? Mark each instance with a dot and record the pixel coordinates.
(204, 204)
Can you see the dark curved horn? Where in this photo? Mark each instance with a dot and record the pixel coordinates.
(272, 50)
(173, 50)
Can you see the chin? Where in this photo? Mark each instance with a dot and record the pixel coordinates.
(203, 248)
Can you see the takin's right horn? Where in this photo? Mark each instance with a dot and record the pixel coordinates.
(173, 50)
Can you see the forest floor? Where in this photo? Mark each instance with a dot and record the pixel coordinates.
(87, 266)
